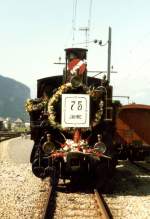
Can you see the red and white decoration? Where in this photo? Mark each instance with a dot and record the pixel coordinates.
(77, 65)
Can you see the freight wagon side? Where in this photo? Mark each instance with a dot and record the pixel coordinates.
(132, 132)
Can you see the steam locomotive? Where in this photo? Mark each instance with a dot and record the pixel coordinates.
(72, 124)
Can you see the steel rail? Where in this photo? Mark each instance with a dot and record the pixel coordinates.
(104, 212)
(45, 211)
(8, 135)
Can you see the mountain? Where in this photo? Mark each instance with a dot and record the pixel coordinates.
(13, 95)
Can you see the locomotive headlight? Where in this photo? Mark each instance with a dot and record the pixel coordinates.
(76, 81)
(100, 147)
(48, 147)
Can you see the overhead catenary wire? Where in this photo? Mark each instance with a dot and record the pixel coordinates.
(74, 20)
(88, 27)
(74, 23)
(89, 19)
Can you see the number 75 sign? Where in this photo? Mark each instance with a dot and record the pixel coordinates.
(75, 110)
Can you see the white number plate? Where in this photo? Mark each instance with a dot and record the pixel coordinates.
(75, 110)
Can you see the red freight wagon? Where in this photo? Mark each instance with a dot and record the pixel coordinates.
(132, 131)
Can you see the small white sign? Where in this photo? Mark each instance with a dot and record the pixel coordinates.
(75, 110)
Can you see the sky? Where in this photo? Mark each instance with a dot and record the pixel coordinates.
(34, 34)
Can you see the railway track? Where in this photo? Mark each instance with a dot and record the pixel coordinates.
(131, 190)
(4, 135)
(142, 166)
(65, 202)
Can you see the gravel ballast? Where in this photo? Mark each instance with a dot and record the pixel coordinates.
(22, 195)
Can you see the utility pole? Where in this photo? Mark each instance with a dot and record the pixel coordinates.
(109, 54)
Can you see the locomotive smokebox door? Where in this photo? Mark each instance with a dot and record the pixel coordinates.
(76, 67)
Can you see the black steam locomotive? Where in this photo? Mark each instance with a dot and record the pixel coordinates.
(72, 124)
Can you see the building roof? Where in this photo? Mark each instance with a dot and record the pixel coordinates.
(18, 120)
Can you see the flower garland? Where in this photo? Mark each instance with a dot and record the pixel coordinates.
(32, 105)
(54, 100)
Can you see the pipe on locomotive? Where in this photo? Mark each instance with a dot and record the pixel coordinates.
(105, 98)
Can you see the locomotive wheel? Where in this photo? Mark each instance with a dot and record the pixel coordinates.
(40, 167)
